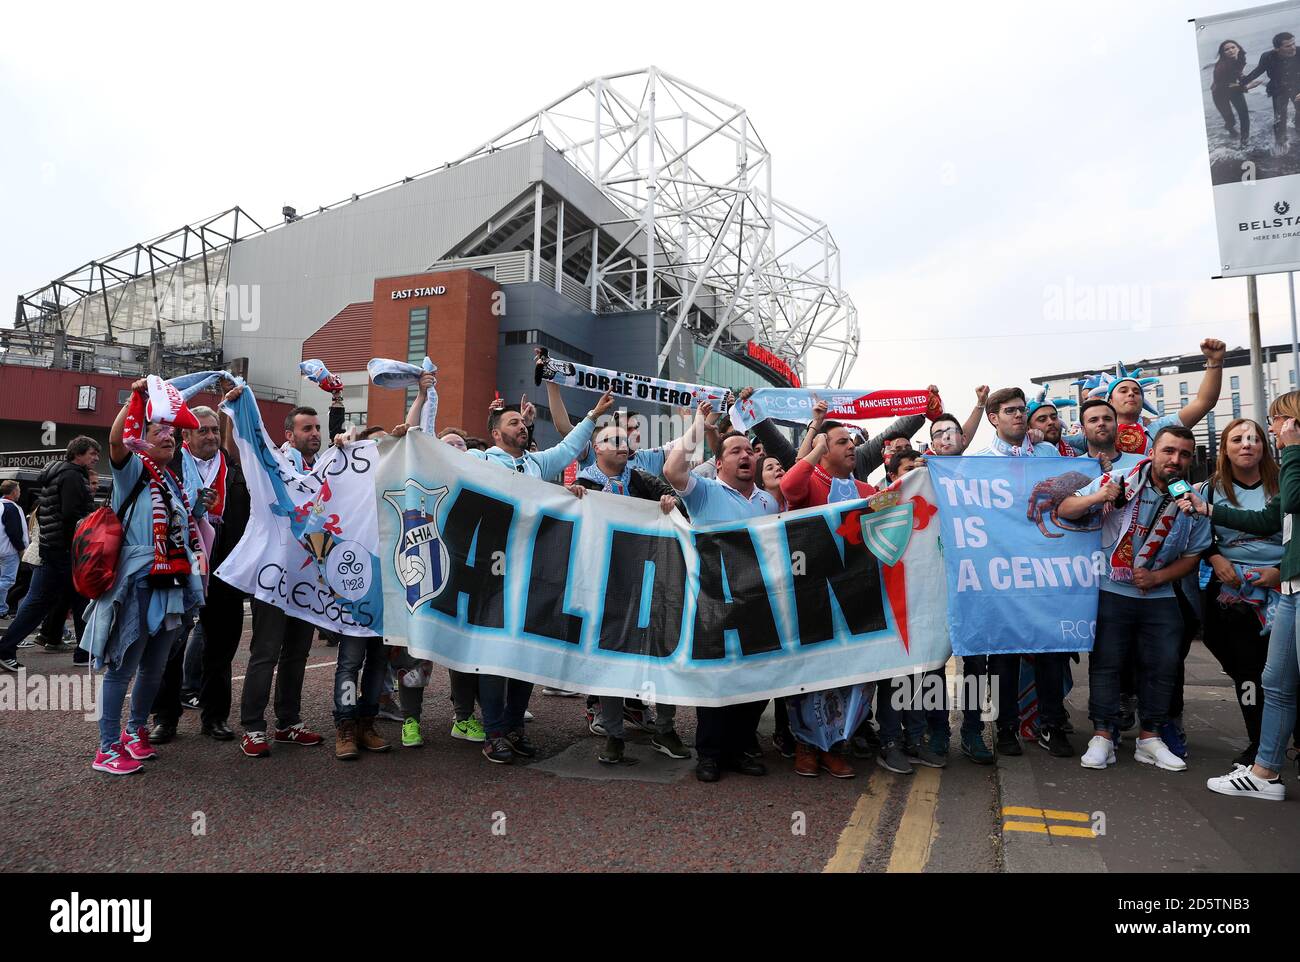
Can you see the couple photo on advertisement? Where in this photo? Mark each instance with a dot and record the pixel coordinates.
(1251, 91)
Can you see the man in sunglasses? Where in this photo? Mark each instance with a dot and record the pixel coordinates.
(505, 700)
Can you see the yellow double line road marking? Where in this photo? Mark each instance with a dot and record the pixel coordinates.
(916, 831)
(1045, 815)
(918, 828)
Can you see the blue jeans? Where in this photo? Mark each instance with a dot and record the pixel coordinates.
(1281, 679)
(503, 701)
(917, 709)
(192, 667)
(356, 692)
(149, 656)
(51, 585)
(8, 575)
(1153, 627)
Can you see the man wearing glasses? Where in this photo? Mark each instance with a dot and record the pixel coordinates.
(1007, 411)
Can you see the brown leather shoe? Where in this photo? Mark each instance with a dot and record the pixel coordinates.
(805, 760)
(368, 736)
(345, 741)
(837, 765)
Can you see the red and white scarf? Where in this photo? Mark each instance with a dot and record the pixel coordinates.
(173, 530)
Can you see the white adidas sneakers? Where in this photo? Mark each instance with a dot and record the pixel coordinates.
(1100, 753)
(1243, 783)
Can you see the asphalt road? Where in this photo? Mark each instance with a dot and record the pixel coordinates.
(203, 806)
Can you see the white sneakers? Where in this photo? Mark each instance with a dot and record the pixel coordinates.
(1154, 751)
(1149, 751)
(1100, 753)
(1242, 782)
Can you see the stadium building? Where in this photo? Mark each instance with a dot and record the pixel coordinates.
(629, 224)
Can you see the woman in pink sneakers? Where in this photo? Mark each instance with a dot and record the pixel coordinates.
(131, 628)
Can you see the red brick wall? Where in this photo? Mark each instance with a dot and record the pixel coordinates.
(463, 334)
(41, 394)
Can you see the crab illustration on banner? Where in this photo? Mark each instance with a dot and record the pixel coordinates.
(1013, 585)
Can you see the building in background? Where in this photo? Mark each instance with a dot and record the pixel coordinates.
(629, 224)
(1180, 378)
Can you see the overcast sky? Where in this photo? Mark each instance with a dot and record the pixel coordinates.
(980, 165)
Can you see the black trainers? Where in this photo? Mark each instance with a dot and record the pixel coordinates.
(1056, 741)
(521, 745)
(747, 766)
(707, 770)
(865, 746)
(10, 664)
(612, 753)
(1247, 756)
(784, 744)
(670, 744)
(1009, 742)
(498, 750)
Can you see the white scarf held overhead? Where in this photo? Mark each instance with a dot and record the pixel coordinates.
(387, 373)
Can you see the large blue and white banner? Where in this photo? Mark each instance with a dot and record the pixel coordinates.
(1020, 578)
(486, 570)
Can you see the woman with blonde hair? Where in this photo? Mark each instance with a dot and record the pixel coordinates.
(1281, 674)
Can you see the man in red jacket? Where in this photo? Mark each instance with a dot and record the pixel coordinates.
(824, 476)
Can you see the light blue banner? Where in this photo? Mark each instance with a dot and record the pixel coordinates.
(1020, 578)
(486, 570)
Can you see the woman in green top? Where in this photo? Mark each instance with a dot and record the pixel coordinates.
(1282, 669)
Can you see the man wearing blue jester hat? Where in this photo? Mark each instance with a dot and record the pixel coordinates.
(1125, 390)
(1045, 422)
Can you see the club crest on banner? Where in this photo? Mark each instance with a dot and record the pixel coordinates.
(420, 556)
(887, 533)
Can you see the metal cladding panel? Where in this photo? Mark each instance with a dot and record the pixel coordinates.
(623, 343)
(343, 343)
(576, 189)
(304, 273)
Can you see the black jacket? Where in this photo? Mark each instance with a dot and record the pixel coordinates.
(643, 485)
(1283, 74)
(64, 500)
(234, 518)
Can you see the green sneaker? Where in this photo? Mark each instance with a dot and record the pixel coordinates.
(411, 733)
(974, 747)
(469, 730)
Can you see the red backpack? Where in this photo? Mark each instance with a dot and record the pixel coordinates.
(97, 544)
